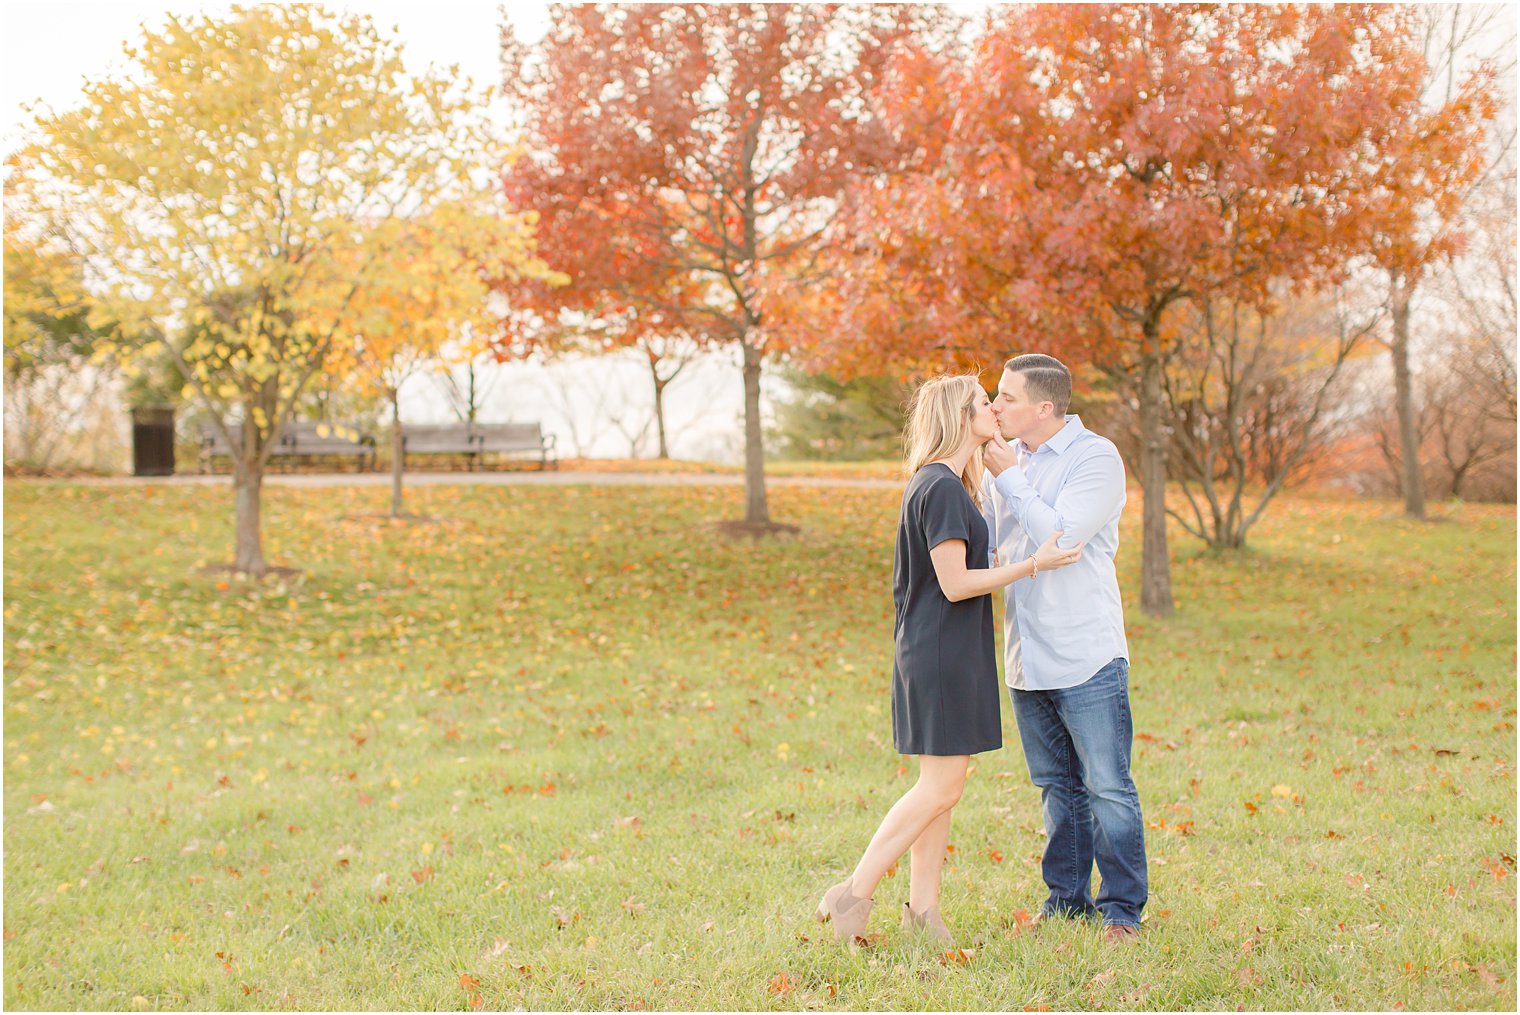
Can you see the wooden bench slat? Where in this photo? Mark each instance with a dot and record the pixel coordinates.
(517, 438)
(437, 438)
(306, 438)
(297, 438)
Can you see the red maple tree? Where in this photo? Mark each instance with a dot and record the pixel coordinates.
(688, 159)
(1091, 166)
(1435, 150)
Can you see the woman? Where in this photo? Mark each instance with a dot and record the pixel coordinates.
(945, 696)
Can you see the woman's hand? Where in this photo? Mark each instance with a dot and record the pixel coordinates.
(1050, 556)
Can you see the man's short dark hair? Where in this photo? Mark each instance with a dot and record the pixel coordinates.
(1046, 379)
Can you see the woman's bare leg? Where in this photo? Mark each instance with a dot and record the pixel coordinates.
(938, 789)
(927, 858)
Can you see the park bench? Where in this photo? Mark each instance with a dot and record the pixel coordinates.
(475, 440)
(305, 439)
(214, 445)
(515, 440)
(439, 439)
(298, 439)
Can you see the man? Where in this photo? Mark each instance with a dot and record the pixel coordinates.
(1067, 657)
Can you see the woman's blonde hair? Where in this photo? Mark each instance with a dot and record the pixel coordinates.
(939, 424)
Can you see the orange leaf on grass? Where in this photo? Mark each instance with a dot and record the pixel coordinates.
(781, 984)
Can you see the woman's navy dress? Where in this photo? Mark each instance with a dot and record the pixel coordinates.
(945, 694)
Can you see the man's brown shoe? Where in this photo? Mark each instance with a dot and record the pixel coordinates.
(1120, 933)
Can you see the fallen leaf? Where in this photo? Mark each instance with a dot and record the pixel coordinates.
(1102, 979)
(780, 984)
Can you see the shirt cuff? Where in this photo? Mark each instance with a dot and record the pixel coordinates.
(1012, 482)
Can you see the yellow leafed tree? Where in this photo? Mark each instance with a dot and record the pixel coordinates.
(438, 305)
(243, 185)
(52, 391)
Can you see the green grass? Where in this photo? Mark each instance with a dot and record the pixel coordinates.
(568, 748)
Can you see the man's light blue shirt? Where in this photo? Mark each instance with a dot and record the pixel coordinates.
(1061, 626)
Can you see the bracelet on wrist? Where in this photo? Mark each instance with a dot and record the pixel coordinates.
(1035, 565)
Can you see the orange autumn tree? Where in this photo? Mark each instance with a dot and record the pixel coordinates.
(702, 147)
(647, 317)
(1090, 167)
(1434, 152)
(445, 270)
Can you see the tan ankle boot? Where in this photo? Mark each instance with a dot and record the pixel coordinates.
(847, 913)
(930, 922)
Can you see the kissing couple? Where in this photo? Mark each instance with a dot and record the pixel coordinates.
(1009, 494)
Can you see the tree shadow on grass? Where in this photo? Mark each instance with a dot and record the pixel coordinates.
(755, 530)
(231, 571)
(386, 518)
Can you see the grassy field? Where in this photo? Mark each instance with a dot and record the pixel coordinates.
(569, 748)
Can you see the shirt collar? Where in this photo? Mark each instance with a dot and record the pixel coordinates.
(1061, 439)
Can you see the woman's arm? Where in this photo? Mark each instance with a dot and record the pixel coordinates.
(958, 582)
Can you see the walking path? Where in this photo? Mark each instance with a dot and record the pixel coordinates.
(414, 479)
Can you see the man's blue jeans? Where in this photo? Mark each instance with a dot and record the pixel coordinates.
(1077, 743)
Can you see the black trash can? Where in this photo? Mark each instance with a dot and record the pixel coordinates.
(153, 442)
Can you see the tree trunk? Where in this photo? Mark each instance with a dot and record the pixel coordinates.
(1403, 396)
(659, 406)
(397, 439)
(1458, 477)
(248, 483)
(1155, 568)
(755, 509)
